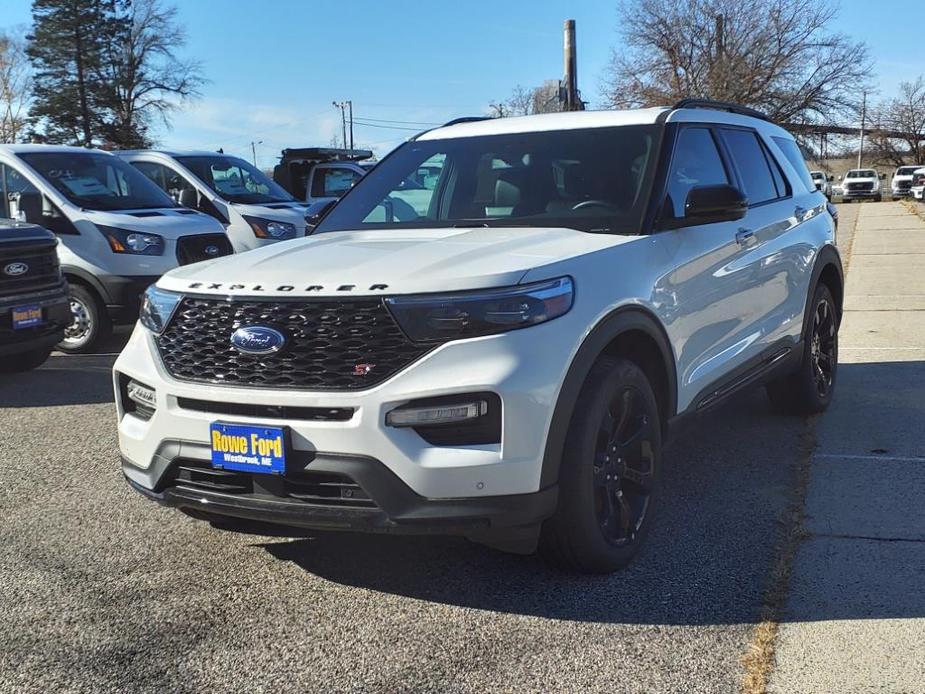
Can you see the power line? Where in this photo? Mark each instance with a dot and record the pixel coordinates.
(400, 122)
(387, 127)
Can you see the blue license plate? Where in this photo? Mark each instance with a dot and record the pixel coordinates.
(248, 448)
(27, 317)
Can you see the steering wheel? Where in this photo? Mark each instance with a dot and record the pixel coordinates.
(593, 203)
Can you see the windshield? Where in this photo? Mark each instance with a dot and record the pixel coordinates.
(907, 170)
(235, 180)
(591, 180)
(862, 173)
(818, 176)
(97, 181)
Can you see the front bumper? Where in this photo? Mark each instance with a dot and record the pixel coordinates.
(57, 316)
(488, 484)
(124, 293)
(373, 499)
(856, 194)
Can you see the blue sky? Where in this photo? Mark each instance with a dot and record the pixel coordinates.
(275, 66)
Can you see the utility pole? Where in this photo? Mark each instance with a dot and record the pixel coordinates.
(345, 108)
(721, 54)
(254, 150)
(572, 102)
(863, 118)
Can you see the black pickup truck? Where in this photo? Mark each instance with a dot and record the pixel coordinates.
(34, 305)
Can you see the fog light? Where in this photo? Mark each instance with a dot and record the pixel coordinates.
(140, 395)
(442, 414)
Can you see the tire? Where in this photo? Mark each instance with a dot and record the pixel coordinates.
(91, 323)
(26, 361)
(608, 479)
(810, 388)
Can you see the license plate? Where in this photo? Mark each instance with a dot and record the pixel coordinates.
(248, 448)
(27, 317)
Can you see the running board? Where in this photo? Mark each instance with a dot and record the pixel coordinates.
(744, 379)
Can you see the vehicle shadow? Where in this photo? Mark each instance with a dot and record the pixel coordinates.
(62, 380)
(725, 485)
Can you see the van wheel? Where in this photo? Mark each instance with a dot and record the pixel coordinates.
(809, 389)
(90, 323)
(609, 473)
(24, 362)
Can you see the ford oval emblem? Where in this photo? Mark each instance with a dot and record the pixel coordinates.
(16, 269)
(211, 250)
(257, 339)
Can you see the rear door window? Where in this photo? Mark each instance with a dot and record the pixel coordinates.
(751, 162)
(792, 151)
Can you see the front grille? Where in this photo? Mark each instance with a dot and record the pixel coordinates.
(903, 185)
(306, 486)
(43, 272)
(193, 249)
(331, 345)
(861, 186)
(243, 409)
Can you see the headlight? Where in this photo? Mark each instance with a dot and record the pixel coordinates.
(429, 318)
(157, 308)
(268, 229)
(132, 242)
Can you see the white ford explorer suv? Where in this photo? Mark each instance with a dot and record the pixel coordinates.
(506, 364)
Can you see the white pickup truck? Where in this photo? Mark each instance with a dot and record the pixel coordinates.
(862, 184)
(901, 185)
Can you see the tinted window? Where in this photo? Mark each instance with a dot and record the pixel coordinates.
(235, 180)
(752, 165)
(331, 182)
(696, 162)
(97, 181)
(166, 178)
(795, 157)
(594, 179)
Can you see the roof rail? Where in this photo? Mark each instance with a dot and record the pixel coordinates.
(455, 121)
(721, 106)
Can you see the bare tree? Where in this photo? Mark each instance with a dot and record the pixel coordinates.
(905, 114)
(774, 55)
(15, 86)
(147, 80)
(526, 102)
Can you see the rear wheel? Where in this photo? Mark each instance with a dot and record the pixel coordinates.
(24, 362)
(608, 478)
(89, 325)
(809, 389)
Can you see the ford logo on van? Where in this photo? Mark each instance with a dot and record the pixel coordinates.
(16, 269)
(257, 339)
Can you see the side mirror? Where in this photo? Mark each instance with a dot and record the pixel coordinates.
(839, 178)
(882, 177)
(189, 198)
(315, 213)
(830, 178)
(711, 204)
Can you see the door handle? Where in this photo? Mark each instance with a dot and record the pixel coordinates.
(744, 236)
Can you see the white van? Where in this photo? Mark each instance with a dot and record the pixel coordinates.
(118, 232)
(254, 210)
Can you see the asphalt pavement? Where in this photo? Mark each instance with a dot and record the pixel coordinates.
(103, 591)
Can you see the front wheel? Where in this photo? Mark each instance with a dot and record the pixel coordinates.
(608, 477)
(809, 389)
(89, 322)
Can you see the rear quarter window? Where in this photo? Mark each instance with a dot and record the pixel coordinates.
(795, 157)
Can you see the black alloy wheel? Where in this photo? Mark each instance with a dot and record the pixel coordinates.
(608, 476)
(624, 467)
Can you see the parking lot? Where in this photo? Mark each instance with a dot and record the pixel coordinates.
(100, 590)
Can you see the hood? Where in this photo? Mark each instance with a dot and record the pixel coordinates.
(407, 261)
(169, 222)
(292, 212)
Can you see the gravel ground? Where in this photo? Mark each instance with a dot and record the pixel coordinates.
(101, 590)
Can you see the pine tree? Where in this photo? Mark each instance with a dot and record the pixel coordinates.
(65, 47)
